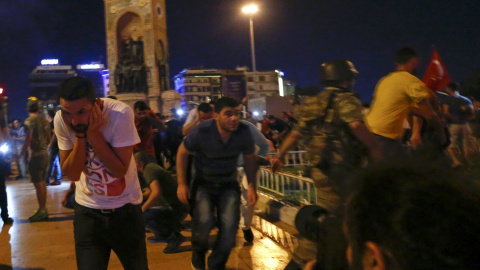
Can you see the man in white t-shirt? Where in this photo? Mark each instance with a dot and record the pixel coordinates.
(203, 112)
(96, 139)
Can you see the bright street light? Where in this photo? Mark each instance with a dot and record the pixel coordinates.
(250, 10)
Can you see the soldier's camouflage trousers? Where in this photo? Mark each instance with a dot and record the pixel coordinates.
(331, 190)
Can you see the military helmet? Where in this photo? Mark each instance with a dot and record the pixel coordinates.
(32, 104)
(337, 71)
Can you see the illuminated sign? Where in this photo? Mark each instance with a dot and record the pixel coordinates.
(49, 62)
(91, 66)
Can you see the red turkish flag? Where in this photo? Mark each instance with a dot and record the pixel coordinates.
(436, 77)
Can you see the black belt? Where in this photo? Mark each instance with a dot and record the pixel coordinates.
(108, 211)
(217, 185)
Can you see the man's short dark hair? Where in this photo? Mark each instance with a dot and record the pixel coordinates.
(140, 105)
(405, 54)
(415, 213)
(143, 157)
(75, 88)
(271, 117)
(225, 102)
(453, 86)
(204, 107)
(33, 106)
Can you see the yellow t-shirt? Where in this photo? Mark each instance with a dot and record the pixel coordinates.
(394, 96)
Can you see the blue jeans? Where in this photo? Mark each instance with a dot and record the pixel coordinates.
(224, 201)
(54, 170)
(122, 231)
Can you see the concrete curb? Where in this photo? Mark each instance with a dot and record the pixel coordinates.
(277, 209)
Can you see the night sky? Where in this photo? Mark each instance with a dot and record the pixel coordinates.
(295, 36)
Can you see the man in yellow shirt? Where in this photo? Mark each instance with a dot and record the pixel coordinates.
(396, 95)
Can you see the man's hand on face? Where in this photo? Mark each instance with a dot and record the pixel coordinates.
(95, 121)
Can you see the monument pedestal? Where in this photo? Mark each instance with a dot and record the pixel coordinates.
(131, 98)
(171, 100)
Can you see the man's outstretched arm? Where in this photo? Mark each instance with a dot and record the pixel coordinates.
(291, 140)
(251, 167)
(183, 192)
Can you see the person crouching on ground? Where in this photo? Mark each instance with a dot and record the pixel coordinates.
(162, 211)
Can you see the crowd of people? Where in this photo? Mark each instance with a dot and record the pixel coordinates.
(341, 139)
(122, 163)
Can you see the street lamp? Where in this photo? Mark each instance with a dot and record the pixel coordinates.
(250, 10)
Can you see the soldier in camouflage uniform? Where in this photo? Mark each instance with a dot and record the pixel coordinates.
(332, 129)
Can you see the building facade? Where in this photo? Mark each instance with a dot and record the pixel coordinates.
(94, 73)
(44, 80)
(198, 85)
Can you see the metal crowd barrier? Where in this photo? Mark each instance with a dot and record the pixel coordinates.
(293, 158)
(288, 185)
(475, 145)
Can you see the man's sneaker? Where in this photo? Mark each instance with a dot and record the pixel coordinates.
(7, 221)
(55, 183)
(156, 239)
(20, 177)
(248, 235)
(40, 215)
(174, 243)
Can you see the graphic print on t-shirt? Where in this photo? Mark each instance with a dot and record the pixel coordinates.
(99, 180)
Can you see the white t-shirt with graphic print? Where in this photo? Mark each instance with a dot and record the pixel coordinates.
(97, 187)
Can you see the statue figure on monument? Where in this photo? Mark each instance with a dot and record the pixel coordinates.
(119, 79)
(130, 75)
(139, 76)
(162, 74)
(161, 61)
(137, 50)
(127, 49)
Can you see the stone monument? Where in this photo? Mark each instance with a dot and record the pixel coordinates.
(137, 50)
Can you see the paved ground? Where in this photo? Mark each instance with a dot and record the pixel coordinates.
(50, 245)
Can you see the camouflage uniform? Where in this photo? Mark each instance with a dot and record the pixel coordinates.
(332, 148)
(334, 153)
